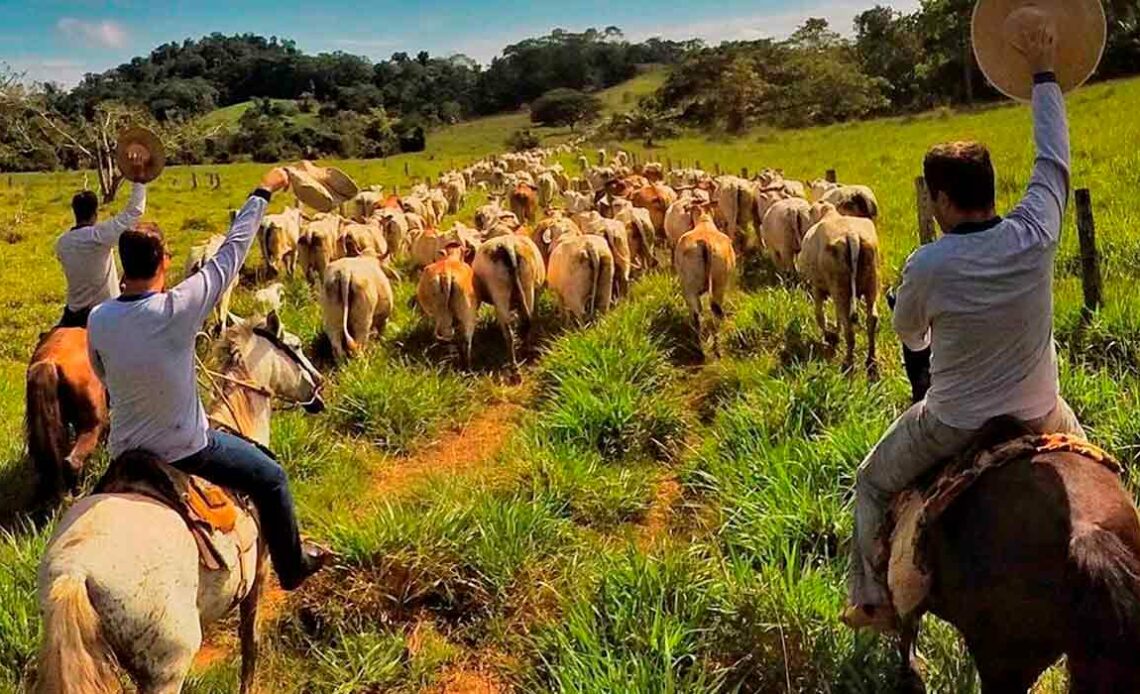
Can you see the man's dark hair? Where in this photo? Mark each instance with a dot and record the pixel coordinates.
(85, 206)
(964, 172)
(141, 250)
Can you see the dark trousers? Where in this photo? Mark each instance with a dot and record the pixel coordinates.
(74, 319)
(241, 465)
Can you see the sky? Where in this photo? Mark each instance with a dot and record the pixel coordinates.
(59, 41)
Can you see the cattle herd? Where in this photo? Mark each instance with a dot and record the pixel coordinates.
(586, 237)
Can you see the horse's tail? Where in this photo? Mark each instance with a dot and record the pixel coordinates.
(47, 435)
(1107, 595)
(74, 657)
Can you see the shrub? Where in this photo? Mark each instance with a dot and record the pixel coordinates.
(522, 140)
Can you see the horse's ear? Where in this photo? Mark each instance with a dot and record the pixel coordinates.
(234, 319)
(273, 324)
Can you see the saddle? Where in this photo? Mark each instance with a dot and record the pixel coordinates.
(209, 511)
(902, 545)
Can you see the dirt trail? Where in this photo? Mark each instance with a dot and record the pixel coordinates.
(458, 452)
(656, 524)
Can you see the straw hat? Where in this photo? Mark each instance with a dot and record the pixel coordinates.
(337, 181)
(310, 191)
(154, 156)
(1081, 30)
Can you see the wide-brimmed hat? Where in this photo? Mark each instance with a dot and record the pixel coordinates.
(154, 158)
(1081, 30)
(338, 182)
(320, 187)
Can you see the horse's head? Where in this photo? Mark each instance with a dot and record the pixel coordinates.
(274, 360)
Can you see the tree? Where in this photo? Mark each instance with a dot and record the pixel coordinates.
(561, 107)
(889, 47)
(647, 123)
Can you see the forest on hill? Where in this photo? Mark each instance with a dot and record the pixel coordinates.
(348, 106)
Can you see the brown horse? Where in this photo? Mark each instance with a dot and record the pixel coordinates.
(1039, 559)
(66, 410)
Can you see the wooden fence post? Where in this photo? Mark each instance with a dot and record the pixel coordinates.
(217, 181)
(925, 211)
(406, 168)
(194, 180)
(831, 176)
(744, 172)
(696, 163)
(716, 167)
(1090, 258)
(668, 164)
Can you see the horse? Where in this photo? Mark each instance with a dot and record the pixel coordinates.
(121, 585)
(62, 395)
(1039, 558)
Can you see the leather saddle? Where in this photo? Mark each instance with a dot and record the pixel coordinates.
(902, 544)
(208, 510)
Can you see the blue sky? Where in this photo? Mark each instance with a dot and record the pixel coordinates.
(59, 41)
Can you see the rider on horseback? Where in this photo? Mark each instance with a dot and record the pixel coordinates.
(142, 347)
(85, 250)
(977, 306)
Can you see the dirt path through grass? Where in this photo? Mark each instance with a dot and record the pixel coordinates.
(463, 450)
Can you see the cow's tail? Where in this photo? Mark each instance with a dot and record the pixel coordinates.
(707, 269)
(854, 250)
(74, 658)
(43, 418)
(595, 270)
(742, 204)
(345, 282)
(509, 256)
(445, 284)
(1106, 590)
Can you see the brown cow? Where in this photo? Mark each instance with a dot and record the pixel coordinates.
(524, 202)
(840, 259)
(705, 260)
(656, 197)
(446, 293)
(509, 273)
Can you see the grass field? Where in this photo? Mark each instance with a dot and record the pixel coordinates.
(628, 518)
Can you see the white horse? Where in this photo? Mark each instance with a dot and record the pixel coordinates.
(121, 585)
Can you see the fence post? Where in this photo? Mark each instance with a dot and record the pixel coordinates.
(925, 211)
(668, 164)
(831, 176)
(716, 168)
(406, 168)
(1090, 258)
(696, 163)
(217, 181)
(744, 172)
(194, 180)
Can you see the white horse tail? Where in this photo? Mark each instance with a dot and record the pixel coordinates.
(74, 658)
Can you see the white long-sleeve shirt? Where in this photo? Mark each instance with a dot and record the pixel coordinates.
(142, 348)
(983, 299)
(85, 254)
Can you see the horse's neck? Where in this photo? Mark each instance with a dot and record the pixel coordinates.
(242, 409)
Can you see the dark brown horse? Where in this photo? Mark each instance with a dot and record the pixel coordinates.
(1039, 559)
(66, 410)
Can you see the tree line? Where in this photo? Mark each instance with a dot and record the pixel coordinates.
(894, 63)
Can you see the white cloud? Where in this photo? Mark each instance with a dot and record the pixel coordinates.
(105, 33)
(839, 13)
(60, 71)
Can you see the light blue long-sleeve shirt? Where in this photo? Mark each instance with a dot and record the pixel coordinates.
(86, 254)
(983, 301)
(143, 350)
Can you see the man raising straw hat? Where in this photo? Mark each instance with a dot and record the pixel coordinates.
(975, 308)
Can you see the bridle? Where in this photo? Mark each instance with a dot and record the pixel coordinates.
(213, 377)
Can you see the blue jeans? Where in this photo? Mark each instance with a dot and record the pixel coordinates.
(235, 463)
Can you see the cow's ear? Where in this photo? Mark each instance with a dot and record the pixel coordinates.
(273, 324)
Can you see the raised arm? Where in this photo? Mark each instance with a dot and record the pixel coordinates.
(194, 298)
(1042, 211)
(107, 233)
